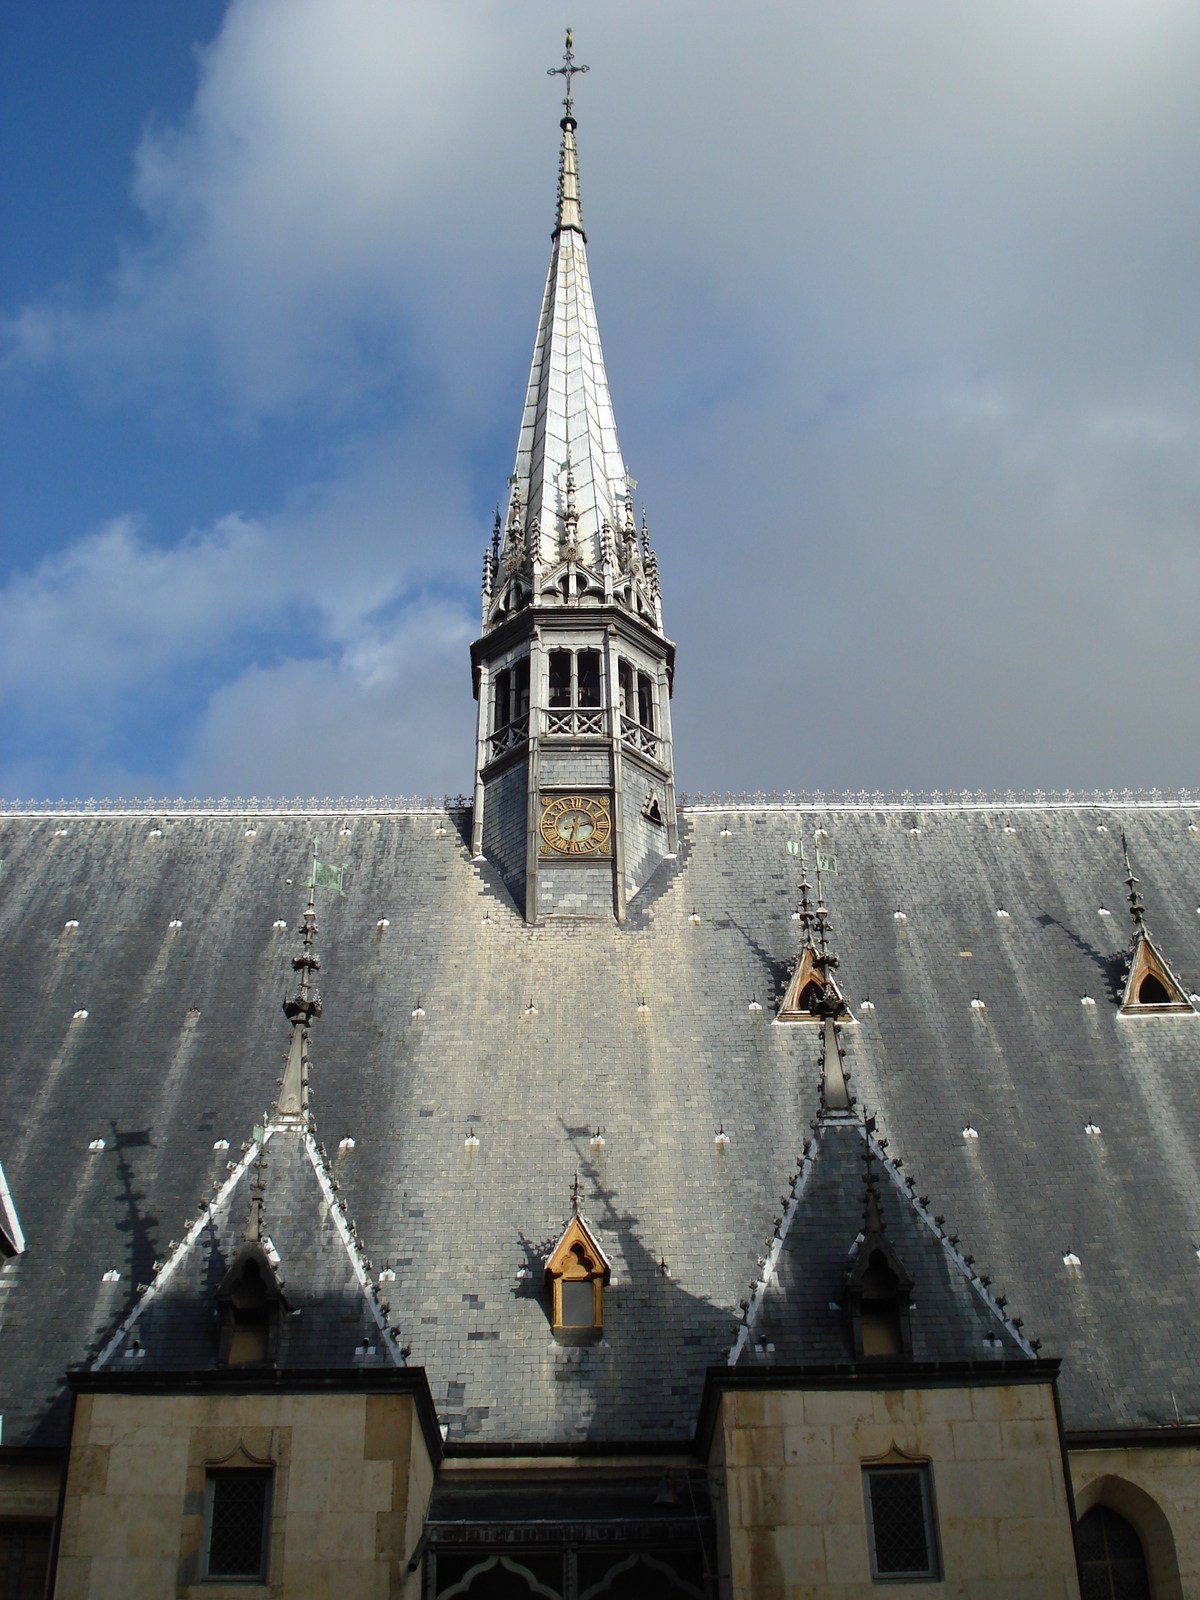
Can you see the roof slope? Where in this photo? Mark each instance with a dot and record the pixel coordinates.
(801, 1320)
(332, 1320)
(428, 1032)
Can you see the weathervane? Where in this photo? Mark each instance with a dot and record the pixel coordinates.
(567, 71)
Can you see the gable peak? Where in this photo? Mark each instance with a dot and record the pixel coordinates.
(1150, 985)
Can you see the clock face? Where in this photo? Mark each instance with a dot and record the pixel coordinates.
(576, 825)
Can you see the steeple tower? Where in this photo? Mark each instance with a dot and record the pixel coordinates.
(574, 777)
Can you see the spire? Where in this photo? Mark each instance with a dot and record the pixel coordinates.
(300, 1009)
(567, 378)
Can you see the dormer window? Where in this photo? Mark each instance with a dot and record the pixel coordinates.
(1151, 986)
(251, 1333)
(1152, 992)
(249, 1303)
(878, 1290)
(576, 1274)
(879, 1320)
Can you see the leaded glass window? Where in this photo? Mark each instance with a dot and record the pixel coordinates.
(237, 1508)
(900, 1523)
(1112, 1563)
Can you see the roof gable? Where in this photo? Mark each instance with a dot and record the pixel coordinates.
(1151, 986)
(578, 1246)
(802, 1312)
(308, 1261)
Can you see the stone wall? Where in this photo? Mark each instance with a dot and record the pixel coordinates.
(1157, 1490)
(568, 890)
(794, 1515)
(29, 1487)
(645, 841)
(352, 1480)
(506, 827)
(575, 769)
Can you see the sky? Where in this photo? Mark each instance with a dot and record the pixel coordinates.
(900, 305)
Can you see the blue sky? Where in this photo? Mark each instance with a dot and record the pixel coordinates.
(900, 318)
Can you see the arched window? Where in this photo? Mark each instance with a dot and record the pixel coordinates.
(1153, 992)
(880, 1318)
(1112, 1562)
(249, 1304)
(576, 1274)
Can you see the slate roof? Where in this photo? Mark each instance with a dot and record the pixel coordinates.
(800, 1320)
(329, 1322)
(182, 1038)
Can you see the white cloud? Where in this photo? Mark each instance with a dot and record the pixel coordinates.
(392, 717)
(899, 311)
(112, 611)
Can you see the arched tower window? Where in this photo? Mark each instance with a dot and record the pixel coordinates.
(1111, 1559)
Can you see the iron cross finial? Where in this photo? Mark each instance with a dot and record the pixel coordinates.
(567, 71)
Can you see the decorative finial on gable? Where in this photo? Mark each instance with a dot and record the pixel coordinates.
(575, 1185)
(1150, 985)
(812, 991)
(1137, 909)
(878, 1284)
(873, 1222)
(258, 1188)
(300, 1009)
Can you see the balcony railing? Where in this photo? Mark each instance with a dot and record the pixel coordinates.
(641, 738)
(508, 738)
(566, 724)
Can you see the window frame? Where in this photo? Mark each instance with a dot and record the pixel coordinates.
(921, 1470)
(552, 704)
(211, 1474)
(36, 1531)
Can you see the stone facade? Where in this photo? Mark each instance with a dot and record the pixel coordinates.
(1156, 1488)
(506, 826)
(352, 1476)
(647, 842)
(792, 1520)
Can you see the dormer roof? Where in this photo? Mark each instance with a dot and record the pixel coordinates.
(307, 1262)
(1150, 985)
(577, 1232)
(250, 1281)
(802, 1315)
